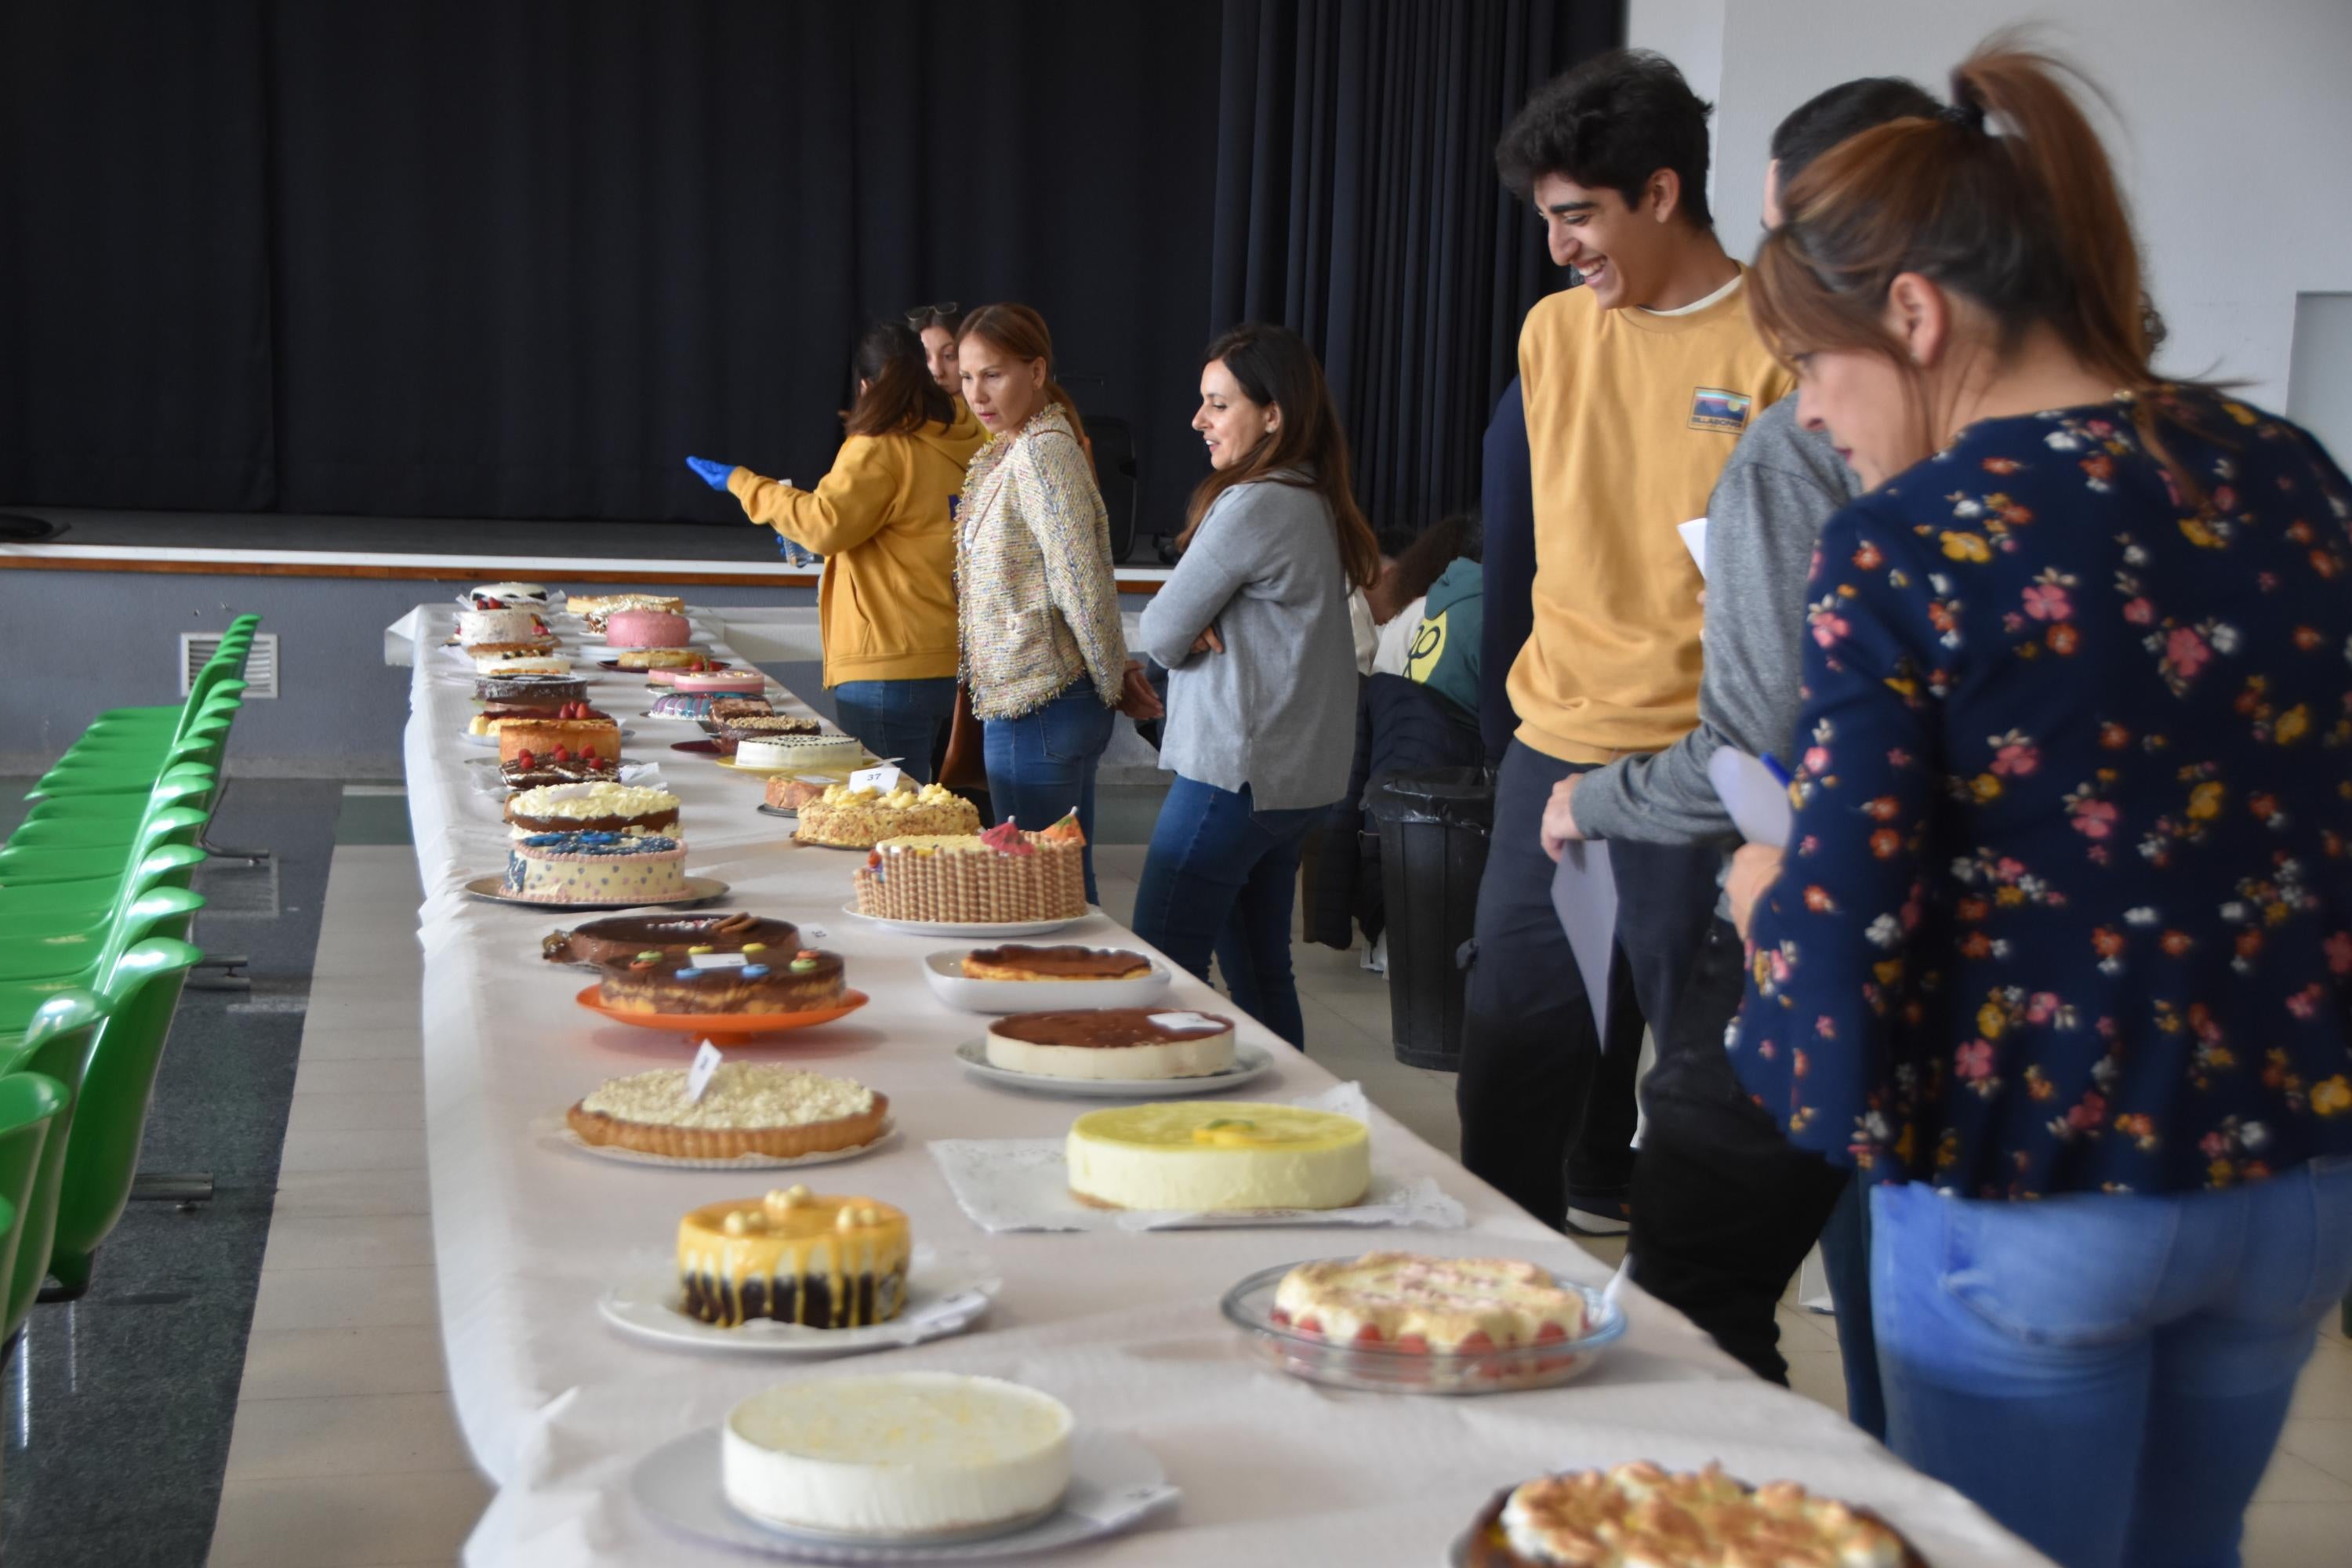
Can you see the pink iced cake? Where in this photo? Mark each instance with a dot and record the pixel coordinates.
(647, 628)
(744, 682)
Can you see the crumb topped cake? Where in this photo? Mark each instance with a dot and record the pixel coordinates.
(1112, 1044)
(703, 980)
(1636, 1515)
(860, 819)
(999, 877)
(748, 1107)
(1415, 1302)
(794, 1255)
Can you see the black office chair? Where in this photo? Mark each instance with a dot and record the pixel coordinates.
(1115, 473)
(15, 528)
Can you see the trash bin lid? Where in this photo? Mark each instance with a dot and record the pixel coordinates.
(1462, 797)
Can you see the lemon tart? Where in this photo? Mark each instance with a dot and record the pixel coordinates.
(1196, 1158)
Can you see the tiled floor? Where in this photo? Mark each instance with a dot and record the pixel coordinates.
(345, 1454)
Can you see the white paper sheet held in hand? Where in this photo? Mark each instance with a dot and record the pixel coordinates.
(1584, 896)
(1694, 534)
(1758, 801)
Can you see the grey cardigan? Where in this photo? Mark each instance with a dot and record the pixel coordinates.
(1277, 710)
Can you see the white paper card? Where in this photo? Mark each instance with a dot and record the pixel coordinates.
(1584, 896)
(881, 780)
(1758, 802)
(718, 960)
(1694, 534)
(1185, 1021)
(698, 1077)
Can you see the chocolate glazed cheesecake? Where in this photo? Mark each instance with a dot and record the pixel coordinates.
(1127, 1044)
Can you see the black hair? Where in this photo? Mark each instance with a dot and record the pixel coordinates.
(1829, 116)
(1395, 540)
(1609, 125)
(901, 397)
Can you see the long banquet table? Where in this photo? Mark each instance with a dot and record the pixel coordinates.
(557, 1408)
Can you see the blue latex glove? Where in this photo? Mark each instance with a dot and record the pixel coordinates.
(710, 473)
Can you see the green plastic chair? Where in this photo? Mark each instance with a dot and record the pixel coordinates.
(87, 898)
(22, 865)
(50, 828)
(58, 1047)
(182, 783)
(136, 744)
(34, 948)
(98, 779)
(29, 1103)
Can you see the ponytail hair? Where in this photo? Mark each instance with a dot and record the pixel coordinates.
(1020, 331)
(901, 397)
(2006, 197)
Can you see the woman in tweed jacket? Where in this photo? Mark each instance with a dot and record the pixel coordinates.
(1037, 610)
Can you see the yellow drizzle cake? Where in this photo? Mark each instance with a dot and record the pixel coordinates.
(748, 1107)
(897, 1456)
(1197, 1158)
(860, 819)
(1442, 1304)
(796, 1256)
(1637, 1515)
(997, 877)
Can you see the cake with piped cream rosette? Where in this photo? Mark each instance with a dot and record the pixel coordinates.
(707, 981)
(1414, 1302)
(861, 818)
(1194, 1158)
(591, 808)
(1638, 1515)
(596, 869)
(816, 1259)
(897, 1456)
(1000, 877)
(1106, 1045)
(748, 1108)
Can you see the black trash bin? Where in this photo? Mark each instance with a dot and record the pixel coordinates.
(1434, 824)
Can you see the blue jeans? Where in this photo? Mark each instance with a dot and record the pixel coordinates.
(1040, 766)
(1222, 876)
(903, 719)
(2106, 1375)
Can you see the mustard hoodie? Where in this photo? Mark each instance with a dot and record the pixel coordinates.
(883, 522)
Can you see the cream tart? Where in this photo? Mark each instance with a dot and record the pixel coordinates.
(1636, 1515)
(797, 1256)
(748, 1107)
(1065, 962)
(1413, 1302)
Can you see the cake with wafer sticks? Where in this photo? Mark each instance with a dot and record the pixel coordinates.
(1002, 876)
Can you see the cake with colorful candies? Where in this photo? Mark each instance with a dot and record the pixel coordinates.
(681, 705)
(544, 691)
(1017, 961)
(736, 682)
(1126, 1045)
(1000, 877)
(573, 737)
(1637, 1515)
(860, 819)
(591, 808)
(897, 1456)
(1419, 1303)
(816, 1259)
(747, 1108)
(597, 869)
(1196, 1158)
(625, 937)
(529, 770)
(647, 628)
(786, 752)
(703, 980)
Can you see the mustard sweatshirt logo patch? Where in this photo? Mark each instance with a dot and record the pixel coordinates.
(1713, 408)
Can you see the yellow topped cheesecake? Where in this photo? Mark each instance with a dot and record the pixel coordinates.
(1196, 1157)
(797, 1256)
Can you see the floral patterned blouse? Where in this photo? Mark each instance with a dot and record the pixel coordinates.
(2067, 906)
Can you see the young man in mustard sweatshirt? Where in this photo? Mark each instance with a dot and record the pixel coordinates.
(1637, 387)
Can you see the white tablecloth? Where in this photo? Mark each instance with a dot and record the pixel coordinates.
(1124, 1328)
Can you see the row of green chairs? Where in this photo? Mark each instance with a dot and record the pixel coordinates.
(95, 904)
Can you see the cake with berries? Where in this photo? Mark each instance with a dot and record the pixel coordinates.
(591, 808)
(708, 981)
(860, 819)
(528, 769)
(1419, 1303)
(568, 736)
(1638, 1515)
(597, 869)
(1126, 1045)
(503, 631)
(796, 1256)
(748, 1108)
(1195, 1158)
(508, 595)
(997, 877)
(495, 716)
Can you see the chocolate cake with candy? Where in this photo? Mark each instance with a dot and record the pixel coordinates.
(704, 980)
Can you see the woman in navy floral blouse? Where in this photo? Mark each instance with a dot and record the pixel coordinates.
(2066, 914)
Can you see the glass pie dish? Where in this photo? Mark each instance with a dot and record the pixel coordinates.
(1383, 1368)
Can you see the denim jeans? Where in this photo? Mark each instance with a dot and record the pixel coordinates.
(2107, 1375)
(1223, 876)
(1040, 766)
(907, 719)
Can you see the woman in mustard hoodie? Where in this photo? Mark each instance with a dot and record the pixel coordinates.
(884, 520)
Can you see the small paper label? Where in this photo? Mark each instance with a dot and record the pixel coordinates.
(720, 960)
(698, 1077)
(1185, 1021)
(881, 780)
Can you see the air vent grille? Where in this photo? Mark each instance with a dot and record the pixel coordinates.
(260, 664)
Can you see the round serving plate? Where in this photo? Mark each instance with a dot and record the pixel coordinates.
(766, 810)
(724, 1023)
(945, 1295)
(960, 928)
(944, 971)
(700, 891)
(1249, 1064)
(1385, 1369)
(731, 765)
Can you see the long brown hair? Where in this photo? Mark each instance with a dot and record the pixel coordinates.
(901, 397)
(1020, 331)
(1275, 367)
(2030, 224)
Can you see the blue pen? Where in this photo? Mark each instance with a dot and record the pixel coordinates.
(1779, 775)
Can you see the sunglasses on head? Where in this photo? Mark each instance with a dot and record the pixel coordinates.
(923, 315)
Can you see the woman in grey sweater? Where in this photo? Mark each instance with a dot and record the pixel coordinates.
(1253, 628)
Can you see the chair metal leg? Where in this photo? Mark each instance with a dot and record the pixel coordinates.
(186, 1188)
(221, 971)
(223, 851)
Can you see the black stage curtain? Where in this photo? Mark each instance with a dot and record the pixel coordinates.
(517, 258)
(1357, 203)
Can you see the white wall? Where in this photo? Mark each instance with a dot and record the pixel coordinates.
(2235, 134)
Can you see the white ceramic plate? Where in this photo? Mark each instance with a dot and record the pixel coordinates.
(1114, 1482)
(948, 982)
(945, 1295)
(1249, 1065)
(955, 927)
(699, 890)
